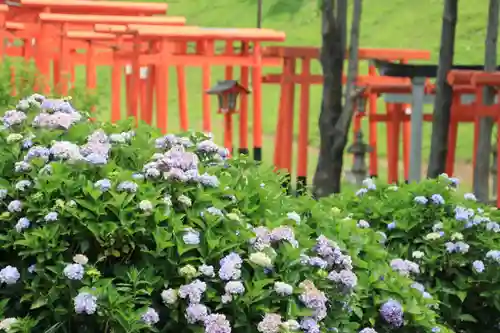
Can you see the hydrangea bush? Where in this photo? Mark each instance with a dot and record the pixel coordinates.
(453, 241)
(109, 229)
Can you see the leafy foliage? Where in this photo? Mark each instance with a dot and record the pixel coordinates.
(106, 228)
(454, 239)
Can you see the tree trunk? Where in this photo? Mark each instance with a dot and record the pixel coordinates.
(442, 103)
(344, 122)
(329, 169)
(482, 167)
(341, 16)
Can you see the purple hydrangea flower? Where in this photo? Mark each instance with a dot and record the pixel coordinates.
(40, 152)
(392, 312)
(65, 150)
(13, 117)
(74, 271)
(150, 317)
(271, 323)
(196, 313)
(345, 278)
(193, 291)
(404, 267)
(9, 275)
(234, 287)
(85, 303)
(310, 325)
(207, 147)
(230, 267)
(217, 323)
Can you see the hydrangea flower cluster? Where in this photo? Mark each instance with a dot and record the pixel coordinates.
(405, 267)
(177, 164)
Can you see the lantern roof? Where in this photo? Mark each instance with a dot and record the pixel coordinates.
(227, 86)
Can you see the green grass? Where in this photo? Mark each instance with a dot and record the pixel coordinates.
(385, 24)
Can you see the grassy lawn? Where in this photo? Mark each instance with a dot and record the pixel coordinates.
(386, 24)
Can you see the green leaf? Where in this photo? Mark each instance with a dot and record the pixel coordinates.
(467, 317)
(40, 302)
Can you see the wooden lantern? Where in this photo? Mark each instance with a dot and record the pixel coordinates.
(227, 92)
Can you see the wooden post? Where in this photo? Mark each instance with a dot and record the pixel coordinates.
(442, 103)
(259, 14)
(481, 168)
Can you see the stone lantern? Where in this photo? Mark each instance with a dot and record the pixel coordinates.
(359, 149)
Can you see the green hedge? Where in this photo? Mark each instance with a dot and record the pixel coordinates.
(455, 241)
(110, 228)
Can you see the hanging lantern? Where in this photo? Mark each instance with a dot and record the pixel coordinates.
(227, 92)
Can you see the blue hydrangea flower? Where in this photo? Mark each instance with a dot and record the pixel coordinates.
(437, 199)
(463, 213)
(85, 303)
(96, 159)
(23, 185)
(127, 186)
(22, 224)
(208, 180)
(191, 237)
(362, 224)
(137, 176)
(15, 206)
(470, 197)
(103, 185)
(361, 192)
(74, 271)
(478, 266)
(51, 217)
(420, 200)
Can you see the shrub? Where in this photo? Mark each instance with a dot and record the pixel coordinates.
(109, 229)
(454, 240)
